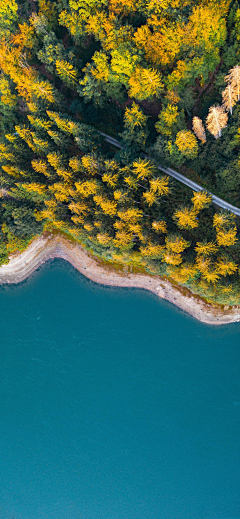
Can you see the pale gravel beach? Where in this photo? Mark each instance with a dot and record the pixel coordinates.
(47, 247)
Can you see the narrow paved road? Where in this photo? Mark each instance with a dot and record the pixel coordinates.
(172, 173)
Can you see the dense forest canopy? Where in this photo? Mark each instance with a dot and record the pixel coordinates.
(163, 78)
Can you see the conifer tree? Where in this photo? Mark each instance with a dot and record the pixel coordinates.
(187, 143)
(145, 84)
(186, 218)
(216, 120)
(233, 79)
(230, 97)
(198, 129)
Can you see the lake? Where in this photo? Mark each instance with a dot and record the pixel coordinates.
(114, 405)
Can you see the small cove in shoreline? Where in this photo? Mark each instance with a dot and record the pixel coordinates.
(48, 246)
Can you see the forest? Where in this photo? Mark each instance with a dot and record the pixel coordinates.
(161, 76)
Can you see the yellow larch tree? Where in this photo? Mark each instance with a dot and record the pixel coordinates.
(225, 228)
(110, 179)
(212, 276)
(123, 239)
(7, 97)
(104, 239)
(66, 71)
(108, 206)
(150, 197)
(55, 160)
(160, 185)
(130, 215)
(134, 117)
(122, 7)
(167, 118)
(161, 46)
(152, 251)
(203, 263)
(63, 124)
(41, 166)
(201, 200)
(80, 207)
(60, 191)
(206, 248)
(102, 70)
(225, 266)
(145, 83)
(143, 169)
(186, 218)
(159, 226)
(35, 187)
(176, 243)
(90, 164)
(86, 188)
(75, 164)
(227, 238)
(172, 258)
(187, 143)
(223, 219)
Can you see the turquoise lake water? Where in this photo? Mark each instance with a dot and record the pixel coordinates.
(114, 405)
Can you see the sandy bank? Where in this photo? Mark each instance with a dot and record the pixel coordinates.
(42, 249)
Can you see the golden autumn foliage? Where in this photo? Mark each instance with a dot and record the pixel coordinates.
(134, 117)
(160, 185)
(122, 6)
(212, 276)
(160, 226)
(161, 46)
(79, 207)
(72, 69)
(104, 239)
(35, 187)
(130, 215)
(187, 143)
(86, 188)
(143, 168)
(168, 117)
(152, 251)
(223, 219)
(186, 218)
(203, 263)
(122, 239)
(226, 230)
(227, 238)
(201, 200)
(225, 266)
(108, 206)
(66, 71)
(206, 248)
(145, 83)
(172, 258)
(61, 191)
(176, 243)
(150, 197)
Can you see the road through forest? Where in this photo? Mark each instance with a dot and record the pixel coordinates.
(193, 185)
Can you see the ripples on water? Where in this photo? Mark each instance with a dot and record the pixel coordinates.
(114, 405)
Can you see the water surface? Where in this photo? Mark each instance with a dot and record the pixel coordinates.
(114, 405)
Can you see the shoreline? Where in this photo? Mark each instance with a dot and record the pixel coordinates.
(22, 265)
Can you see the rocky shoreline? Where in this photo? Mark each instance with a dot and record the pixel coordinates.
(47, 247)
